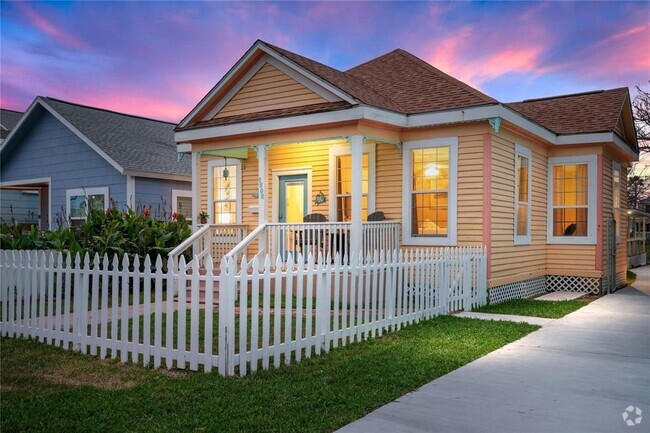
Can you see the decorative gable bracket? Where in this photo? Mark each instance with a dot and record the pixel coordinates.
(495, 123)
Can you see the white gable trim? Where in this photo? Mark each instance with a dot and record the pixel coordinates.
(319, 90)
(28, 112)
(313, 77)
(260, 46)
(83, 138)
(53, 112)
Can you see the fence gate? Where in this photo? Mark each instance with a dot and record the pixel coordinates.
(609, 279)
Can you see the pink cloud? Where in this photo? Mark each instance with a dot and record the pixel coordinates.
(56, 33)
(622, 51)
(125, 101)
(462, 56)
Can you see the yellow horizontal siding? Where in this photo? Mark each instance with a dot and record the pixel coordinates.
(516, 262)
(269, 89)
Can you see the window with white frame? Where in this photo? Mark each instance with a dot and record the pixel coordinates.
(572, 200)
(224, 191)
(429, 187)
(616, 197)
(182, 203)
(341, 188)
(79, 202)
(523, 189)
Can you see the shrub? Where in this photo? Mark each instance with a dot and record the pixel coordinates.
(111, 232)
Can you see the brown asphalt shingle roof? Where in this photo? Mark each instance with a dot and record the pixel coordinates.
(403, 83)
(580, 113)
(417, 86)
(348, 83)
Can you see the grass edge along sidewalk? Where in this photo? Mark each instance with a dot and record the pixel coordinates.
(534, 308)
(49, 389)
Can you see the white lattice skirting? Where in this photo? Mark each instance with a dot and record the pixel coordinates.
(518, 290)
(556, 283)
(540, 285)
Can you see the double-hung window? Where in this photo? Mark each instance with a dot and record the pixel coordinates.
(572, 200)
(616, 197)
(523, 188)
(224, 192)
(341, 182)
(429, 199)
(182, 203)
(80, 202)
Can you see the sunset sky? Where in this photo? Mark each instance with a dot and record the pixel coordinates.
(158, 59)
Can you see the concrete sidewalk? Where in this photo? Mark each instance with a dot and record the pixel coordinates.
(577, 374)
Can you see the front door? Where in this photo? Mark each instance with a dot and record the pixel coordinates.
(292, 208)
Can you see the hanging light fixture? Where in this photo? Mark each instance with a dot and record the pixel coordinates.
(226, 172)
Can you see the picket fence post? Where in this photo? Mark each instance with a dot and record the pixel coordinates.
(226, 317)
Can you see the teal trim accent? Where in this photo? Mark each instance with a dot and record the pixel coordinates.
(495, 123)
(179, 156)
(236, 153)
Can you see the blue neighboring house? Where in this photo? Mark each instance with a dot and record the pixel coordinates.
(65, 156)
(19, 204)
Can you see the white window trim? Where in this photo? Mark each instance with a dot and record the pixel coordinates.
(452, 199)
(238, 199)
(617, 167)
(275, 188)
(590, 239)
(336, 151)
(180, 193)
(526, 153)
(69, 193)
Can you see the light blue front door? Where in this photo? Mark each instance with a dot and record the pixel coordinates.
(292, 208)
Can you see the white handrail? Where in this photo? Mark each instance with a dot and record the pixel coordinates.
(243, 245)
(174, 254)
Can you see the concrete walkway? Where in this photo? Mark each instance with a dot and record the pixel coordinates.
(539, 321)
(576, 374)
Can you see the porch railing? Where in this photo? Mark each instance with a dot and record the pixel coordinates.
(329, 238)
(214, 240)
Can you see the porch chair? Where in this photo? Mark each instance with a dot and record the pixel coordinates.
(376, 216)
(311, 237)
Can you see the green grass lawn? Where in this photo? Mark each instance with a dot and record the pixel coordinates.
(531, 307)
(630, 278)
(48, 389)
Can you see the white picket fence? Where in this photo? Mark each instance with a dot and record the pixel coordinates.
(272, 313)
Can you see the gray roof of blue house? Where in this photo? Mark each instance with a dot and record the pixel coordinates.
(8, 120)
(135, 143)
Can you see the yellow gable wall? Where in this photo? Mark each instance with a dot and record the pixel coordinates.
(269, 89)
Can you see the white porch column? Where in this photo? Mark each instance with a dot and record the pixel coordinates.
(356, 151)
(262, 180)
(195, 190)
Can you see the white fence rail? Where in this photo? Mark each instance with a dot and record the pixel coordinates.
(235, 321)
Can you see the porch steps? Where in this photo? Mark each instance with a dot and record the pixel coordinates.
(188, 291)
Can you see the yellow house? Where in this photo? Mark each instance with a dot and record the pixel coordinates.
(430, 160)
